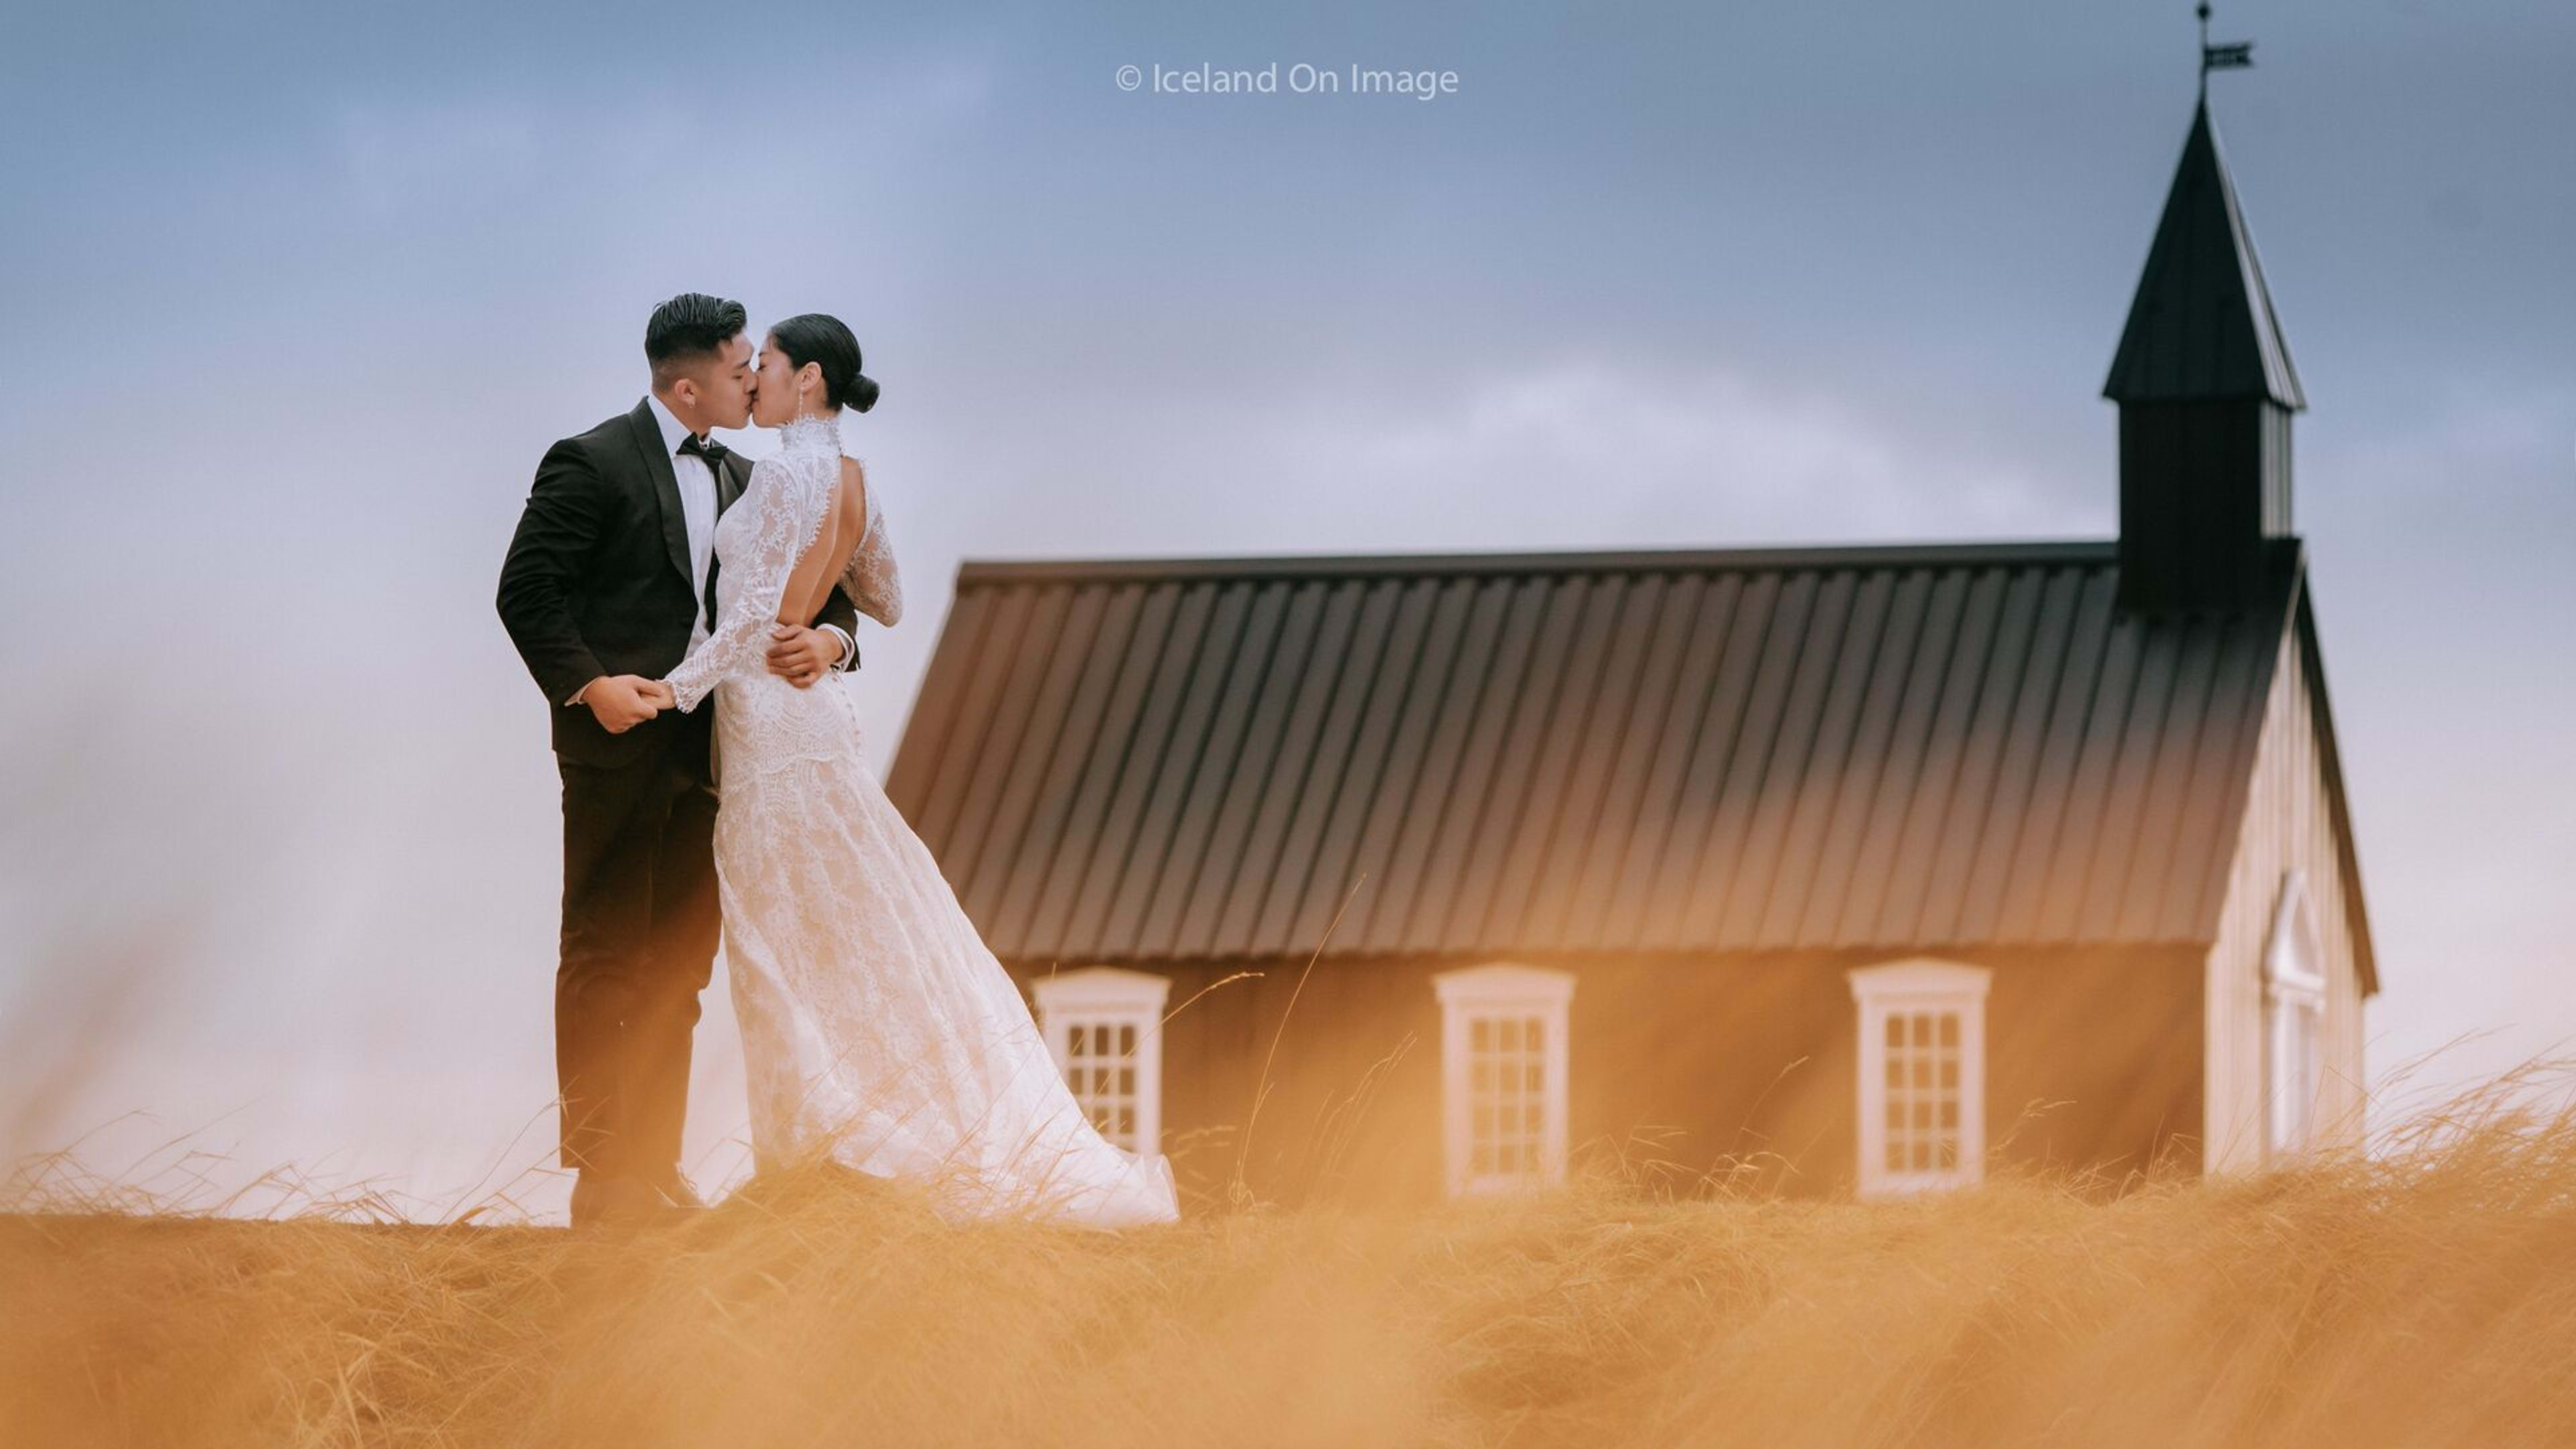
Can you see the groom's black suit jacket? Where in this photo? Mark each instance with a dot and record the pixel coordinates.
(597, 581)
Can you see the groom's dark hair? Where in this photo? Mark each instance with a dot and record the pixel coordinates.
(690, 326)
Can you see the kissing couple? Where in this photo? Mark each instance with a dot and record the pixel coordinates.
(690, 618)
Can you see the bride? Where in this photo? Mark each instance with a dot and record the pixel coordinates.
(877, 1026)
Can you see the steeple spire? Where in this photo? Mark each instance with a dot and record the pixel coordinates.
(2202, 324)
(2205, 389)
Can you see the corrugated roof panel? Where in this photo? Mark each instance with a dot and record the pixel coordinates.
(1331, 876)
(1945, 834)
(1407, 771)
(1888, 885)
(1008, 746)
(1285, 894)
(1885, 776)
(1633, 874)
(1112, 755)
(1440, 781)
(1243, 674)
(2078, 602)
(1674, 750)
(1106, 872)
(1664, 919)
(2203, 827)
(1030, 763)
(1256, 768)
(1523, 745)
(1623, 803)
(1150, 844)
(1743, 853)
(1718, 794)
(2026, 880)
(1582, 820)
(962, 766)
(1844, 753)
(1524, 879)
(2106, 844)
(932, 727)
(1437, 886)
(2133, 680)
(1004, 751)
(1328, 662)
(2125, 886)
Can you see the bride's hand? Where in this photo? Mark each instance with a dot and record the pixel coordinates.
(659, 691)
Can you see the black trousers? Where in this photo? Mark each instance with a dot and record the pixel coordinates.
(640, 925)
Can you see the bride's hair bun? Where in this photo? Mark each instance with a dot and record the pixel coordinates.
(821, 339)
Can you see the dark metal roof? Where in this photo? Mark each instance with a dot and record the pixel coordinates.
(1155, 759)
(2202, 324)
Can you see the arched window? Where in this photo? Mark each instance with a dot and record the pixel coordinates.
(1099, 1024)
(2294, 1004)
(1921, 1087)
(1502, 1073)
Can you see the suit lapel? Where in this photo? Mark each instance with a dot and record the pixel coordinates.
(666, 487)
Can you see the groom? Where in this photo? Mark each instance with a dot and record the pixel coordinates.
(609, 582)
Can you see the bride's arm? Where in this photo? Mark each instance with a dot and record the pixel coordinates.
(787, 514)
(869, 578)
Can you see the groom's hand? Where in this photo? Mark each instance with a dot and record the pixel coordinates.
(620, 702)
(801, 655)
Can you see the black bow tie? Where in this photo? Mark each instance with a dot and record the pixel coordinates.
(707, 448)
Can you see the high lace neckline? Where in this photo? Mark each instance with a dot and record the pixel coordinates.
(811, 434)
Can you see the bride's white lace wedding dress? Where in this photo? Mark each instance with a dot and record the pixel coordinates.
(875, 1021)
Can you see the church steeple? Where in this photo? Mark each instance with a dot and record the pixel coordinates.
(2205, 389)
(2202, 324)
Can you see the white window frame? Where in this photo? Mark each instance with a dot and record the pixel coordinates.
(1107, 999)
(1494, 993)
(1900, 989)
(2294, 1008)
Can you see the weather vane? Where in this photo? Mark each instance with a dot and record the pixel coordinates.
(2234, 55)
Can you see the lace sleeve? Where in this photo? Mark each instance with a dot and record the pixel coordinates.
(788, 502)
(869, 578)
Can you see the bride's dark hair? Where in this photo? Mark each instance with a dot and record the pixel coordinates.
(818, 337)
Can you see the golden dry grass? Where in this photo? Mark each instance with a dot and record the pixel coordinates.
(2426, 1295)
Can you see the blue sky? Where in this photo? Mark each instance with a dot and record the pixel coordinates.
(303, 292)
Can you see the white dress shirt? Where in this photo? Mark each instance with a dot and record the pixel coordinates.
(697, 505)
(698, 508)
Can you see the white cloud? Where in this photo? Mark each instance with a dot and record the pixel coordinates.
(1575, 452)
